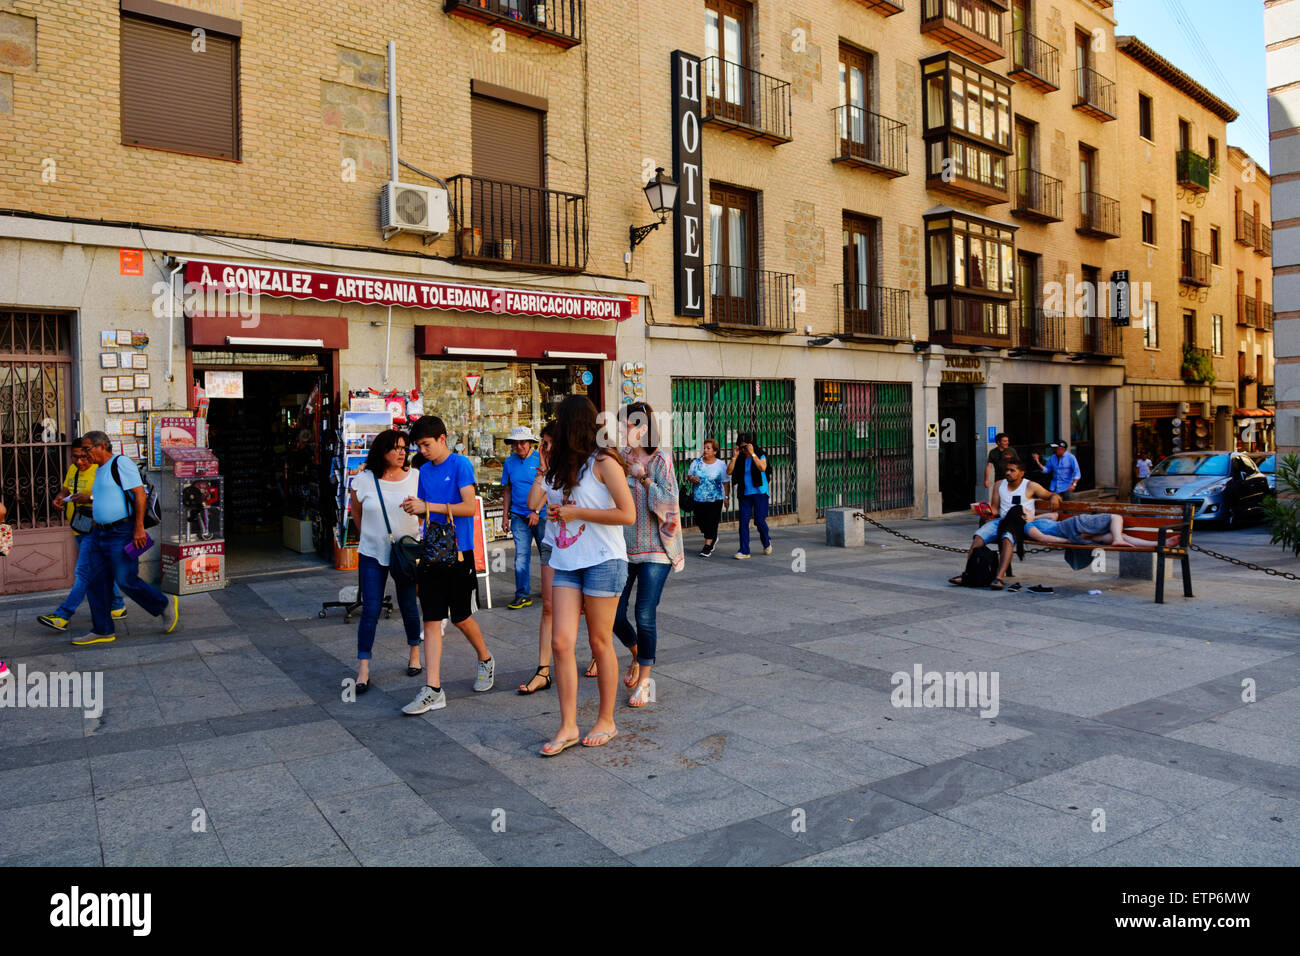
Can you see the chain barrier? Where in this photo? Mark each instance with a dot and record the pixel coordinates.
(1196, 547)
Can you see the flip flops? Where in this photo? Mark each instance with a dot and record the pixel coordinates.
(553, 747)
(605, 737)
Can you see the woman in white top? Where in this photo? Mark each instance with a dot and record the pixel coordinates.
(588, 500)
(385, 470)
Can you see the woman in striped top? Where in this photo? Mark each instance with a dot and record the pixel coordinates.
(654, 542)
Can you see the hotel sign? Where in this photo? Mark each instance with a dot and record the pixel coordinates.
(964, 369)
(688, 218)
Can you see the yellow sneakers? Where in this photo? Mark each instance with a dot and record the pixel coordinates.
(118, 614)
(54, 621)
(175, 615)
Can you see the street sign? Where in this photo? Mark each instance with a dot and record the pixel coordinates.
(932, 436)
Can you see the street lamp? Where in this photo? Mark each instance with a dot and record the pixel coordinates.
(661, 194)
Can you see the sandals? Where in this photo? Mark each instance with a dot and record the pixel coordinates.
(998, 585)
(524, 688)
(557, 746)
(641, 696)
(605, 736)
(958, 580)
(633, 671)
(591, 670)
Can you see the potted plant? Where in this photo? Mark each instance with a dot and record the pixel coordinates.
(1197, 366)
(1248, 379)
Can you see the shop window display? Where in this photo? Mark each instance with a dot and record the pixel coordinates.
(504, 395)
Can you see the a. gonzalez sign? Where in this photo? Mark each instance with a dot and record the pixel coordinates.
(238, 279)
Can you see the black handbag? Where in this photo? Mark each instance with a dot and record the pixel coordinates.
(438, 549)
(82, 517)
(686, 499)
(405, 560)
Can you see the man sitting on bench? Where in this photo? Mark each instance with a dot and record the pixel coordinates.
(1014, 489)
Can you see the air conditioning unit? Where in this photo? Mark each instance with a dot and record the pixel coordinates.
(418, 209)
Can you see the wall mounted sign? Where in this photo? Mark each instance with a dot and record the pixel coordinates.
(688, 217)
(962, 368)
(242, 279)
(1119, 296)
(130, 262)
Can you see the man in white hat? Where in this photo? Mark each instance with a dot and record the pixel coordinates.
(526, 526)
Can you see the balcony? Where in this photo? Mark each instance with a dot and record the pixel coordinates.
(1036, 196)
(872, 312)
(555, 21)
(1263, 240)
(1194, 268)
(1034, 62)
(744, 101)
(1247, 311)
(1193, 171)
(1040, 330)
(970, 321)
(505, 224)
(1094, 95)
(1101, 337)
(870, 141)
(1245, 228)
(970, 170)
(1266, 317)
(886, 8)
(1098, 216)
(749, 300)
(972, 27)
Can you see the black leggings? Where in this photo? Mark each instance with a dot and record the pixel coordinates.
(707, 516)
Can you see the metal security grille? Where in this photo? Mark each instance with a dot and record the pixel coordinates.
(722, 408)
(864, 445)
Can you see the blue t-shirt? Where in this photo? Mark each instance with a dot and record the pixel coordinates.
(743, 467)
(109, 503)
(519, 474)
(441, 484)
(711, 478)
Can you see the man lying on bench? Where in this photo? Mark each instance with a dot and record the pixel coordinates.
(1098, 528)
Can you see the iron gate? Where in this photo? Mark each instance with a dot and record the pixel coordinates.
(728, 406)
(35, 370)
(864, 445)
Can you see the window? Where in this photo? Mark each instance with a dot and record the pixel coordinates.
(1149, 221)
(1184, 134)
(1189, 327)
(856, 80)
(726, 36)
(1216, 333)
(1151, 326)
(1144, 117)
(968, 124)
(1214, 156)
(970, 275)
(1214, 245)
(733, 254)
(173, 98)
(506, 204)
(862, 312)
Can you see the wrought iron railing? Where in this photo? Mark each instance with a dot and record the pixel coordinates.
(1266, 316)
(1041, 329)
(1101, 336)
(1263, 239)
(559, 21)
(736, 97)
(1245, 228)
(1037, 194)
(1036, 57)
(1247, 310)
(1193, 170)
(886, 8)
(870, 139)
(1098, 215)
(756, 299)
(1194, 267)
(869, 311)
(1093, 93)
(508, 224)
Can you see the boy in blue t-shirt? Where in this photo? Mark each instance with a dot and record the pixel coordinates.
(446, 493)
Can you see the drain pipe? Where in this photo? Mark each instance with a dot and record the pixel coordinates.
(392, 110)
(171, 320)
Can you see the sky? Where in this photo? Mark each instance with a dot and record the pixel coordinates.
(1220, 43)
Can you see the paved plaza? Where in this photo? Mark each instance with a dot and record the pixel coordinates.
(1121, 736)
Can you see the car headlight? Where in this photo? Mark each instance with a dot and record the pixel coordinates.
(1216, 487)
(1140, 488)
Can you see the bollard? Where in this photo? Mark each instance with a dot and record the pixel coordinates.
(843, 530)
(1140, 565)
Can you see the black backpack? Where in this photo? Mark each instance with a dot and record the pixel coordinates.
(981, 568)
(152, 510)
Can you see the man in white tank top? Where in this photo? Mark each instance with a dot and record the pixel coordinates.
(1014, 489)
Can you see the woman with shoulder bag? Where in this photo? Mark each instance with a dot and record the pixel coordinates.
(708, 475)
(378, 491)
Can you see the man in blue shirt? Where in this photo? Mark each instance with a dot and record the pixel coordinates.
(118, 503)
(525, 526)
(447, 493)
(1064, 469)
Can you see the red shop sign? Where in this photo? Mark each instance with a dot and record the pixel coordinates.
(235, 279)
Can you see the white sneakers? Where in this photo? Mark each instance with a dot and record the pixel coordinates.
(427, 699)
(486, 675)
(741, 556)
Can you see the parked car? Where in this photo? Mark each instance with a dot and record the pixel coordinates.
(1266, 461)
(1221, 485)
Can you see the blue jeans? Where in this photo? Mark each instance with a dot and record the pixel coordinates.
(374, 582)
(524, 537)
(107, 563)
(78, 592)
(755, 505)
(649, 579)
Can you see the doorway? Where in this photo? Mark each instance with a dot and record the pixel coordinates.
(956, 445)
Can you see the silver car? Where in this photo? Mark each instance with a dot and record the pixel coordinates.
(1221, 486)
(1267, 463)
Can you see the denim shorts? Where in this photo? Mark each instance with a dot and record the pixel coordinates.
(544, 550)
(600, 580)
(989, 530)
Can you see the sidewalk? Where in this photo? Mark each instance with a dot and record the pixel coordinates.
(773, 740)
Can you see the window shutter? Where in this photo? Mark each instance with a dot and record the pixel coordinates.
(175, 98)
(506, 142)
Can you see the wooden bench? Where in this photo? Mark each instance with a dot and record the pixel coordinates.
(1167, 527)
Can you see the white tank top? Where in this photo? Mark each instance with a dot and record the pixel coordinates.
(584, 544)
(1005, 494)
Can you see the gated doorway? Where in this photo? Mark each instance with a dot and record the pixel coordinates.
(35, 425)
(722, 408)
(864, 445)
(956, 445)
